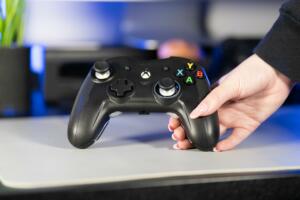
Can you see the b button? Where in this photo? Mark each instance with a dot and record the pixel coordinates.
(199, 74)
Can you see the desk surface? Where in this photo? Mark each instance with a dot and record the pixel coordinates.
(35, 153)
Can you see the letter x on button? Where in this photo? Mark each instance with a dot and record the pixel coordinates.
(180, 73)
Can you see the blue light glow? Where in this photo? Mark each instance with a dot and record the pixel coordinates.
(37, 59)
(37, 66)
(8, 112)
(2, 9)
(38, 106)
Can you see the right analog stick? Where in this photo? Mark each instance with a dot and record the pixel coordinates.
(167, 87)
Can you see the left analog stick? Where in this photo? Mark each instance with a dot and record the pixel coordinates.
(102, 70)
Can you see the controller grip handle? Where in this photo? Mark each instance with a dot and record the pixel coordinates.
(203, 132)
(86, 127)
(89, 116)
(83, 132)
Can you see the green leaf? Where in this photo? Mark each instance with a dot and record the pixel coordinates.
(13, 24)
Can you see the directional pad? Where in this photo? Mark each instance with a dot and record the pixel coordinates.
(121, 86)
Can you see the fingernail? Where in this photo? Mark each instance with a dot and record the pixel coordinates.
(175, 146)
(173, 137)
(169, 127)
(198, 111)
(216, 150)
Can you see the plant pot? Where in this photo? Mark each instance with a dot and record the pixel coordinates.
(14, 81)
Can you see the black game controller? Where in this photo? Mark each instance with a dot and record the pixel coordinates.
(174, 85)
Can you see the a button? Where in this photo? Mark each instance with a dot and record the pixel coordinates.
(180, 73)
(189, 80)
(121, 86)
(166, 87)
(146, 74)
(190, 66)
(102, 70)
(199, 74)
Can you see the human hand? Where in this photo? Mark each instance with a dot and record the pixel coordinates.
(244, 98)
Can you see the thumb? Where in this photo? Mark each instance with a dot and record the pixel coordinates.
(225, 91)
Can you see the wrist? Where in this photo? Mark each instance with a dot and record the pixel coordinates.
(274, 73)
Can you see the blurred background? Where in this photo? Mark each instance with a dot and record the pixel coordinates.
(60, 40)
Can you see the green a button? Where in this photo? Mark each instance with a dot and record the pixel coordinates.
(189, 80)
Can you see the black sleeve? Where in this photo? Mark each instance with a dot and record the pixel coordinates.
(281, 46)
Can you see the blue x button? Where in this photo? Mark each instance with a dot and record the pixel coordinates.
(180, 73)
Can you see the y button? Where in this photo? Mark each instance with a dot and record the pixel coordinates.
(190, 66)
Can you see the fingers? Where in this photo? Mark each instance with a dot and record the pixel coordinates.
(223, 78)
(173, 124)
(226, 91)
(183, 145)
(223, 129)
(237, 136)
(180, 137)
(179, 134)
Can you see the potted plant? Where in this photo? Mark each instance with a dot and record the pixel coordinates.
(14, 60)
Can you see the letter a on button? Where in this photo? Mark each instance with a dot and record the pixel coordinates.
(189, 80)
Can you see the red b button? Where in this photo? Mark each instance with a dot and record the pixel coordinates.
(199, 74)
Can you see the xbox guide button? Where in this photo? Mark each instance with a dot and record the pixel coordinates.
(146, 74)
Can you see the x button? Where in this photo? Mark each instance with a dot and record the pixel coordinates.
(180, 73)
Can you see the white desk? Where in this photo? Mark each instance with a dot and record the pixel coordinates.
(35, 153)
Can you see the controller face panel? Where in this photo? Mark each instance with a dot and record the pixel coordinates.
(174, 85)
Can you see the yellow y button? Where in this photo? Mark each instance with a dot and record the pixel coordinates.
(190, 66)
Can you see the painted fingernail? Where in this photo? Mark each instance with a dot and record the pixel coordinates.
(175, 146)
(173, 137)
(216, 150)
(199, 111)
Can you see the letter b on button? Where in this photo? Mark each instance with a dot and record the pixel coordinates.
(199, 74)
